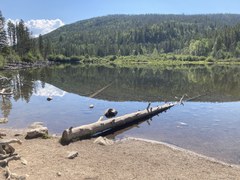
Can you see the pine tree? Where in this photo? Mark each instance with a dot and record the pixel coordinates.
(11, 29)
(3, 36)
(40, 45)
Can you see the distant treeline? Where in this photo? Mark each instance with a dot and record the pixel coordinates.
(213, 36)
(123, 35)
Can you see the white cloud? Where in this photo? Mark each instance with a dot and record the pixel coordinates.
(41, 26)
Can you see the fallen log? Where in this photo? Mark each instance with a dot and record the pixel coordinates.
(86, 131)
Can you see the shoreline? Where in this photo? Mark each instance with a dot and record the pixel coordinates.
(174, 147)
(128, 158)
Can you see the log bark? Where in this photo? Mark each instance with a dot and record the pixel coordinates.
(100, 126)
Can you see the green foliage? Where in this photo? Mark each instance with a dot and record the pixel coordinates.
(12, 57)
(199, 47)
(125, 35)
(63, 59)
(140, 38)
(3, 36)
(28, 57)
(2, 61)
(112, 58)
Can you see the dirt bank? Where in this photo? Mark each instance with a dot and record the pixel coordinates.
(126, 159)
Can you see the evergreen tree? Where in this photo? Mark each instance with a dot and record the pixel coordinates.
(11, 29)
(24, 42)
(3, 36)
(47, 49)
(40, 44)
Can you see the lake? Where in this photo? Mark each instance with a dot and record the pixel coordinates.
(208, 124)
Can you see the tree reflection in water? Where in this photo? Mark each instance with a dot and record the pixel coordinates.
(158, 83)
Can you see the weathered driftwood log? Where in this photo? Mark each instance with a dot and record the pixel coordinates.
(7, 154)
(89, 130)
(6, 148)
(4, 163)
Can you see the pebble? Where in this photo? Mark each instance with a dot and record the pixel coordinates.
(72, 154)
(23, 161)
(103, 141)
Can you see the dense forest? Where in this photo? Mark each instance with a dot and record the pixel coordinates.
(194, 37)
(123, 35)
(17, 43)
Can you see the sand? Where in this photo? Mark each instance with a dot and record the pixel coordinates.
(126, 159)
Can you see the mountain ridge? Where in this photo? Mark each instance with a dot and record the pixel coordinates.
(141, 34)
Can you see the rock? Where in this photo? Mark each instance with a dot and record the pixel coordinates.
(17, 177)
(110, 113)
(72, 154)
(3, 120)
(36, 125)
(24, 161)
(2, 134)
(91, 106)
(49, 98)
(37, 132)
(59, 174)
(103, 141)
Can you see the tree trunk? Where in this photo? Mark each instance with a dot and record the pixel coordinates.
(100, 126)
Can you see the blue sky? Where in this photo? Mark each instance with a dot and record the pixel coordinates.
(69, 11)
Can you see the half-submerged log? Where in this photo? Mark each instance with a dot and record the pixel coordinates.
(87, 131)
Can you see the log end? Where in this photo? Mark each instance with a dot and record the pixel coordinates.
(65, 138)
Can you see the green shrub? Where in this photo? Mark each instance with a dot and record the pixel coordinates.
(29, 57)
(2, 61)
(113, 58)
(13, 57)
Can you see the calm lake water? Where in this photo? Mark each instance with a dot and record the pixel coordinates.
(209, 124)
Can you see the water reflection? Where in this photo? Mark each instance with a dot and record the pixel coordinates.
(46, 90)
(146, 84)
(163, 83)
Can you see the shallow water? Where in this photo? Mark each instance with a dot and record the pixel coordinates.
(209, 124)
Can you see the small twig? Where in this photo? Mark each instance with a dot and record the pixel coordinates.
(181, 100)
(100, 119)
(149, 104)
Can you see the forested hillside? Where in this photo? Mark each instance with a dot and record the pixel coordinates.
(184, 37)
(216, 35)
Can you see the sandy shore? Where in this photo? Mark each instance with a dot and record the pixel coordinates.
(125, 159)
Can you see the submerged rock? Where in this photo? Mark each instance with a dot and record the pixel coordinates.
(110, 113)
(49, 98)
